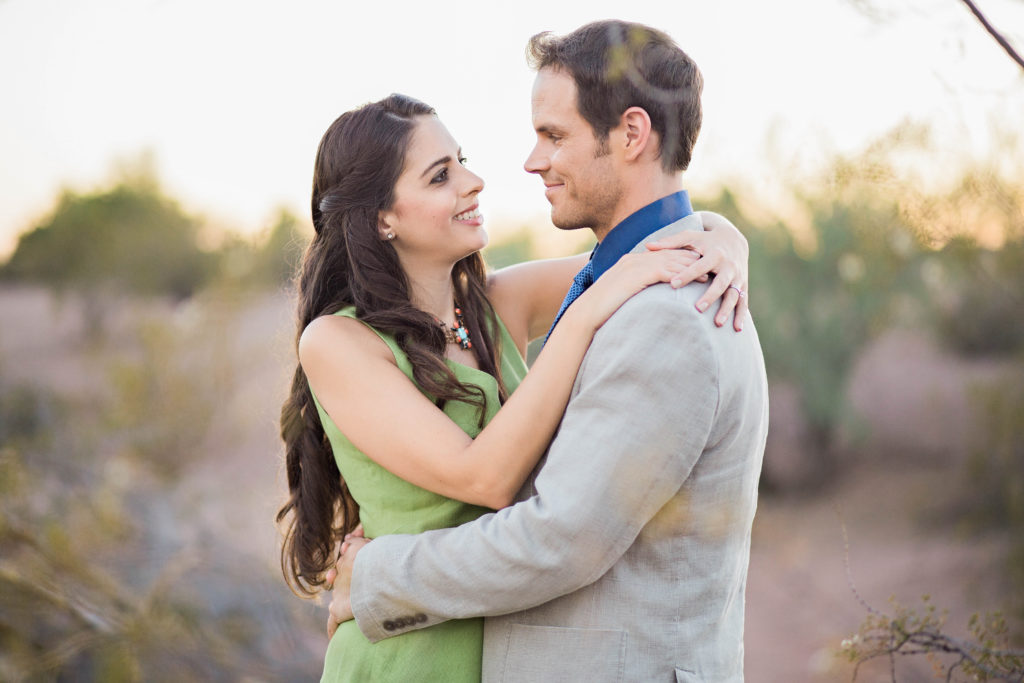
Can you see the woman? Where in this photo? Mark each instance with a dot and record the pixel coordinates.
(393, 417)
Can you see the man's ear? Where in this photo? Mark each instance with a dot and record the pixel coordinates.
(636, 124)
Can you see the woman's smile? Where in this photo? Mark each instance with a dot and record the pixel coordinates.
(471, 216)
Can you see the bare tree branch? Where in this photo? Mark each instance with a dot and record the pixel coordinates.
(995, 34)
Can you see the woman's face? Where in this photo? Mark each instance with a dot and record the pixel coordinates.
(435, 217)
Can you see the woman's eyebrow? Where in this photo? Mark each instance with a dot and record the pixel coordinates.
(443, 160)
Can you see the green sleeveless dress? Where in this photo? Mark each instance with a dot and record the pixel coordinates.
(449, 651)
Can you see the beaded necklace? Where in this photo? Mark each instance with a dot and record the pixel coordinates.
(457, 333)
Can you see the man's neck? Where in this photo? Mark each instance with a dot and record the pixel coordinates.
(639, 193)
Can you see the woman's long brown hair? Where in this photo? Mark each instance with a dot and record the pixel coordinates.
(358, 162)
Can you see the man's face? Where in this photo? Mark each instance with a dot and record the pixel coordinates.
(578, 171)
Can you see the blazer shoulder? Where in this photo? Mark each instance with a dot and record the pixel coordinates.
(659, 322)
(664, 306)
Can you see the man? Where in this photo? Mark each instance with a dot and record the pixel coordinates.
(626, 557)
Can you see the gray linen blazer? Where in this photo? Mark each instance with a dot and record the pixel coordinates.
(626, 557)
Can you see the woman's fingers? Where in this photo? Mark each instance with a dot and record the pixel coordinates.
(729, 301)
(332, 625)
(716, 290)
(633, 272)
(742, 310)
(703, 267)
(728, 283)
(691, 255)
(684, 239)
(355, 533)
(680, 266)
(725, 285)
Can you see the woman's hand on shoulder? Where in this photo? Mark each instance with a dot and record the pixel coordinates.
(629, 275)
(723, 251)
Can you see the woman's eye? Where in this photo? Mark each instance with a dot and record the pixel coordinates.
(463, 160)
(441, 176)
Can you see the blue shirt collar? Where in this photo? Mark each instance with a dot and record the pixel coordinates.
(638, 225)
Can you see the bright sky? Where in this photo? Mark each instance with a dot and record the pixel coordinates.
(232, 97)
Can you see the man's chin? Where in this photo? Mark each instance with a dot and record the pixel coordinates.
(564, 223)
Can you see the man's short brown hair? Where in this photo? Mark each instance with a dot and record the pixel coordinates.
(617, 65)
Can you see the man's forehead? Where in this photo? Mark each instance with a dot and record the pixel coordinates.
(553, 81)
(554, 92)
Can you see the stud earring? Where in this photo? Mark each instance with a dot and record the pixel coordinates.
(390, 236)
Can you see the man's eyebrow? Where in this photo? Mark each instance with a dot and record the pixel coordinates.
(443, 160)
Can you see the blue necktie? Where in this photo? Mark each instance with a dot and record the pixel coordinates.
(580, 282)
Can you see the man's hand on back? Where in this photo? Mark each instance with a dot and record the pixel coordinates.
(339, 580)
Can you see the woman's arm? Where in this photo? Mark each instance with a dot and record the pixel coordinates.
(384, 415)
(527, 296)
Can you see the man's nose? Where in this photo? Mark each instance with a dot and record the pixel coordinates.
(537, 162)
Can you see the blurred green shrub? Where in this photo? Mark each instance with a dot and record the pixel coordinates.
(279, 253)
(511, 249)
(981, 308)
(818, 297)
(976, 277)
(164, 397)
(130, 237)
(270, 259)
(25, 413)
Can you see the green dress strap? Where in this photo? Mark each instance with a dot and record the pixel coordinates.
(403, 361)
(511, 364)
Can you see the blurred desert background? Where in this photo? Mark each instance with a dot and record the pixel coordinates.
(147, 341)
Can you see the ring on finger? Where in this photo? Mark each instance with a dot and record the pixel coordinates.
(738, 291)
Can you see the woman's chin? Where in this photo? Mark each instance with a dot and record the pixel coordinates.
(477, 244)
(467, 244)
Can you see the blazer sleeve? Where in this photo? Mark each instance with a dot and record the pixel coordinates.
(645, 401)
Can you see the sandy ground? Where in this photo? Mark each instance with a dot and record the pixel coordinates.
(800, 605)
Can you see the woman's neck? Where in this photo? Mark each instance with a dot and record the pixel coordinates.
(432, 292)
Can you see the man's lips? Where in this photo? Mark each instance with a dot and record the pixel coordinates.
(551, 188)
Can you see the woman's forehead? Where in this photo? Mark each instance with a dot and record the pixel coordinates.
(430, 138)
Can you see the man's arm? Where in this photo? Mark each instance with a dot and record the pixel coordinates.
(647, 397)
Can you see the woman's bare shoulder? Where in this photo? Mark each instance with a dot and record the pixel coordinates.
(342, 339)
